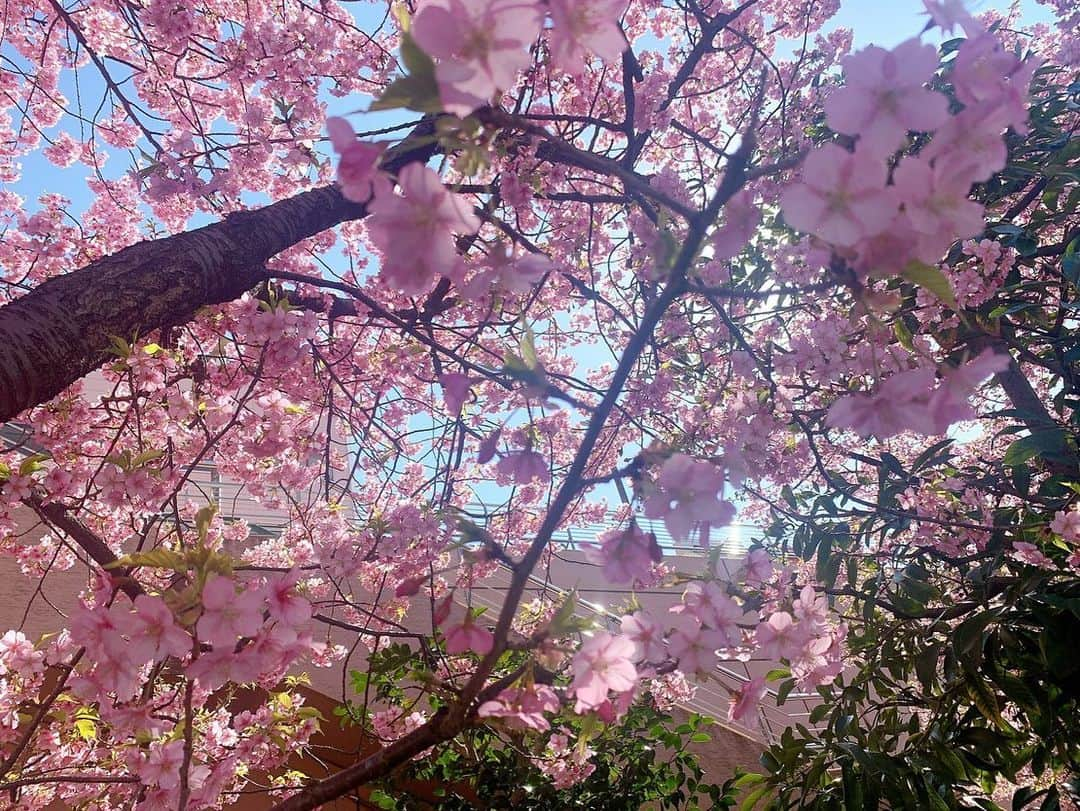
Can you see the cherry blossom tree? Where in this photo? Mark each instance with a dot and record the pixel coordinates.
(706, 256)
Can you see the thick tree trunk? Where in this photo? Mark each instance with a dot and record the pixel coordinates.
(61, 330)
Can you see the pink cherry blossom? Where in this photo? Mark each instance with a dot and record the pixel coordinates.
(749, 696)
(160, 766)
(841, 196)
(951, 401)
(17, 655)
(971, 142)
(626, 555)
(468, 637)
(646, 633)
(226, 614)
(430, 216)
(899, 404)
(741, 219)
(1031, 554)
(694, 645)
(480, 45)
(284, 604)
(155, 633)
(604, 663)
(712, 607)
(935, 198)
(986, 73)
(810, 608)
(947, 14)
(504, 273)
(456, 387)
(522, 467)
(581, 27)
(357, 169)
(688, 493)
(781, 637)
(523, 707)
(884, 97)
(759, 568)
(1066, 523)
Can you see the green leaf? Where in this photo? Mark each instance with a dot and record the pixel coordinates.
(417, 63)
(749, 779)
(984, 698)
(408, 92)
(381, 799)
(202, 521)
(926, 666)
(528, 350)
(753, 798)
(32, 463)
(932, 279)
(1050, 444)
(155, 558)
(416, 91)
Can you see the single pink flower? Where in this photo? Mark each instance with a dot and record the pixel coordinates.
(581, 27)
(226, 614)
(626, 555)
(479, 45)
(986, 73)
(284, 603)
(714, 608)
(749, 696)
(841, 196)
(1066, 523)
(455, 386)
(781, 637)
(950, 402)
(357, 170)
(161, 765)
(688, 493)
(17, 655)
(810, 608)
(155, 634)
(646, 634)
(694, 645)
(523, 707)
(1030, 554)
(468, 637)
(883, 97)
(741, 218)
(414, 230)
(488, 446)
(604, 663)
(935, 198)
(947, 14)
(759, 568)
(502, 272)
(522, 467)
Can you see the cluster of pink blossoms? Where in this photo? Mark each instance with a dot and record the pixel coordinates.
(481, 45)
(882, 220)
(626, 556)
(688, 495)
(916, 401)
(120, 640)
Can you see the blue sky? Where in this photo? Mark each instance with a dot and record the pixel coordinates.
(882, 22)
(889, 22)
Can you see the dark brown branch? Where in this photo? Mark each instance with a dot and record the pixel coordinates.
(57, 515)
(61, 330)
